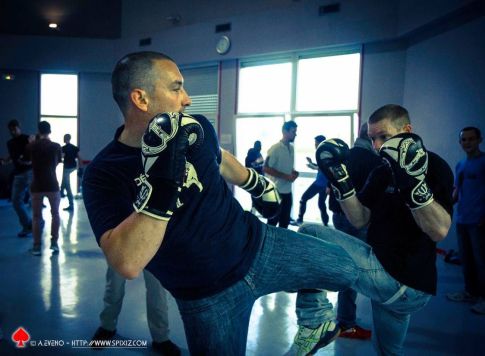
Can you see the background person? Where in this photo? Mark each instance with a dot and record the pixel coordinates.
(279, 165)
(70, 154)
(319, 186)
(361, 161)
(254, 158)
(22, 175)
(45, 156)
(157, 312)
(469, 193)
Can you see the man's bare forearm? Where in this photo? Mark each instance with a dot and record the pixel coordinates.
(133, 243)
(357, 214)
(434, 220)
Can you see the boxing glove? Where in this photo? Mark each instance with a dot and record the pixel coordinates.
(330, 156)
(266, 199)
(169, 138)
(408, 159)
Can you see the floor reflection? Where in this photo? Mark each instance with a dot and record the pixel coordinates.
(60, 297)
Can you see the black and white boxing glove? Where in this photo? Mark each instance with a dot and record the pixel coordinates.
(330, 156)
(266, 199)
(408, 159)
(169, 138)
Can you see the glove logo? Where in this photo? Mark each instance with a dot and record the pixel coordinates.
(191, 177)
(413, 168)
(144, 192)
(164, 130)
(422, 195)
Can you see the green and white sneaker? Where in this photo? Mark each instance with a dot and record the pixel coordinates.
(309, 340)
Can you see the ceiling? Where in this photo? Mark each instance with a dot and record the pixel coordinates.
(76, 18)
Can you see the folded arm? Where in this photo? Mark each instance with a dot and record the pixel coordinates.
(133, 243)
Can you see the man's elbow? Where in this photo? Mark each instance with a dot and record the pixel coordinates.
(129, 273)
(126, 270)
(359, 224)
(438, 234)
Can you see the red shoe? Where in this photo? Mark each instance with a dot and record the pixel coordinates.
(356, 333)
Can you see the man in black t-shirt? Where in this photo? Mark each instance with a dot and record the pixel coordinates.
(254, 158)
(407, 206)
(361, 161)
(157, 199)
(70, 154)
(22, 175)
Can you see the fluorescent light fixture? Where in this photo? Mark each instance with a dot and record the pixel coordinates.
(8, 76)
(52, 25)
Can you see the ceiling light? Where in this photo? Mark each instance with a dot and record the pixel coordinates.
(52, 25)
(8, 76)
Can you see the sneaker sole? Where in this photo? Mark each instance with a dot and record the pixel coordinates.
(321, 343)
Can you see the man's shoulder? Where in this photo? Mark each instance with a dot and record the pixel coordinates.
(276, 146)
(438, 161)
(104, 154)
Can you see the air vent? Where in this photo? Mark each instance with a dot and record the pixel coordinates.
(145, 41)
(328, 9)
(224, 27)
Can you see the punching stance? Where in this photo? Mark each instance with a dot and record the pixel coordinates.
(407, 204)
(157, 199)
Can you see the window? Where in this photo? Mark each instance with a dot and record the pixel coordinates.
(59, 107)
(320, 91)
(265, 88)
(328, 83)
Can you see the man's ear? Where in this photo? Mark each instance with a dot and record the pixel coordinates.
(139, 99)
(408, 128)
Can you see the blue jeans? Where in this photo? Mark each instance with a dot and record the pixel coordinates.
(471, 240)
(311, 191)
(66, 184)
(20, 185)
(346, 307)
(286, 260)
(390, 316)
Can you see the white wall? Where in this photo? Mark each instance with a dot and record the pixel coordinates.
(382, 79)
(445, 87)
(99, 115)
(415, 13)
(445, 91)
(273, 30)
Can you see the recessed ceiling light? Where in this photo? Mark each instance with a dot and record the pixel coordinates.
(8, 76)
(53, 25)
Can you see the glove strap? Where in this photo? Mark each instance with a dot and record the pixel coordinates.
(255, 184)
(342, 186)
(156, 199)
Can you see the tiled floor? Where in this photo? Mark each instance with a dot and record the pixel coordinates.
(57, 298)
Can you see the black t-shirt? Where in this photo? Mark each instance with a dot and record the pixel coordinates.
(45, 156)
(405, 251)
(70, 154)
(16, 150)
(210, 241)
